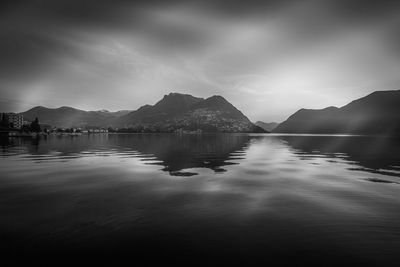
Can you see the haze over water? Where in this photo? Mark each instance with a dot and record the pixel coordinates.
(231, 198)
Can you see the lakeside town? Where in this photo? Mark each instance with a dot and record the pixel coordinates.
(14, 125)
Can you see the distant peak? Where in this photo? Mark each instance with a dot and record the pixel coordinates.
(39, 107)
(36, 109)
(66, 108)
(331, 108)
(266, 122)
(176, 94)
(144, 107)
(217, 98)
(385, 92)
(173, 97)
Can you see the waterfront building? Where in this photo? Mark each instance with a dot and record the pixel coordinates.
(14, 120)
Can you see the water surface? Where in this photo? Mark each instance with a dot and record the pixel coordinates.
(227, 198)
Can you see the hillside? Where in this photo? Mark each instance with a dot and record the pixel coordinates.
(268, 126)
(377, 113)
(71, 117)
(169, 106)
(179, 111)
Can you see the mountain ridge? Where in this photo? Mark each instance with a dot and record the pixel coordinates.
(173, 112)
(376, 113)
(268, 126)
(181, 111)
(70, 117)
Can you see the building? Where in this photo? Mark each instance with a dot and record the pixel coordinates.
(13, 120)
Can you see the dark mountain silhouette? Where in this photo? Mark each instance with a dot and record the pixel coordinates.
(180, 111)
(175, 103)
(268, 126)
(174, 112)
(115, 113)
(377, 113)
(171, 105)
(71, 117)
(220, 105)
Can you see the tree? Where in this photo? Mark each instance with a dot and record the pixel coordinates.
(4, 121)
(35, 127)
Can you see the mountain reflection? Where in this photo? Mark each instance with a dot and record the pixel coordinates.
(179, 152)
(175, 153)
(180, 155)
(367, 153)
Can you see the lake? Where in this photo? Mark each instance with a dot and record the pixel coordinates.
(202, 199)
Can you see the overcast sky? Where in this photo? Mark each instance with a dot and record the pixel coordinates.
(268, 58)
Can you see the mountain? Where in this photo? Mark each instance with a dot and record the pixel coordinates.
(268, 126)
(173, 112)
(171, 105)
(118, 113)
(181, 111)
(377, 113)
(71, 117)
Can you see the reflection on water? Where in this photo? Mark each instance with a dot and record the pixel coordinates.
(179, 152)
(175, 153)
(373, 154)
(234, 197)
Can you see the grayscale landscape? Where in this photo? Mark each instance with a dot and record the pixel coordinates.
(199, 133)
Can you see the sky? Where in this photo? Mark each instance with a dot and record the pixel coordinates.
(268, 58)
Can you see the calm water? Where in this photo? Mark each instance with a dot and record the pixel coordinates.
(203, 198)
